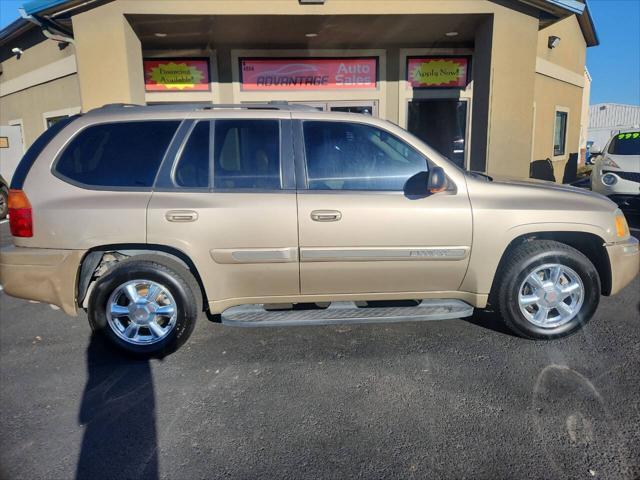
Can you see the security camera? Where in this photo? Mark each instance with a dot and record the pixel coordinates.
(17, 52)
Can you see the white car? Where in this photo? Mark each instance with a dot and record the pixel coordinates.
(616, 172)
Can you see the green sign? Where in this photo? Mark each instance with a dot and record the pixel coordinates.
(628, 136)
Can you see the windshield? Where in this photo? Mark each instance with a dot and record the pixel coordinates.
(627, 143)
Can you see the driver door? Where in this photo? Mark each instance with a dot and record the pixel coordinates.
(361, 231)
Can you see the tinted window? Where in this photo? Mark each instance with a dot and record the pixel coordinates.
(351, 156)
(625, 144)
(560, 134)
(193, 167)
(247, 154)
(19, 176)
(125, 154)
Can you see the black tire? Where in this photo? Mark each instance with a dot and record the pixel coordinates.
(4, 203)
(520, 263)
(168, 273)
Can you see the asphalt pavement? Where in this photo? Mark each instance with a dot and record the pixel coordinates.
(450, 399)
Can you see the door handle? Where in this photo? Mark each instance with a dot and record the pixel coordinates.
(326, 215)
(181, 216)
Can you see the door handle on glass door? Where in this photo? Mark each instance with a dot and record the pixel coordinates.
(326, 215)
(181, 216)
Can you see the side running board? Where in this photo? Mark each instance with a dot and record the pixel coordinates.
(345, 313)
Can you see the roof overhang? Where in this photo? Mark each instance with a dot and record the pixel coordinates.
(60, 11)
(588, 27)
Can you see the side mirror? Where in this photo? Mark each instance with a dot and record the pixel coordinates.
(437, 180)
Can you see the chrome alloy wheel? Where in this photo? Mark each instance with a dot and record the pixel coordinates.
(141, 312)
(551, 295)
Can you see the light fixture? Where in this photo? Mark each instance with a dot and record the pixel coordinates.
(553, 41)
(451, 34)
(17, 52)
(311, 35)
(160, 34)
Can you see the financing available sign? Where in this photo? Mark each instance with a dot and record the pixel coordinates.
(176, 74)
(260, 74)
(438, 72)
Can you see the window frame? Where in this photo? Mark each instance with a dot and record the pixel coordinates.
(165, 182)
(563, 155)
(301, 154)
(107, 188)
(181, 147)
(64, 112)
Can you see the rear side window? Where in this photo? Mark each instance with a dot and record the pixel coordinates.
(247, 154)
(192, 170)
(19, 176)
(125, 154)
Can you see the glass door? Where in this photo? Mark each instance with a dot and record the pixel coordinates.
(441, 123)
(366, 107)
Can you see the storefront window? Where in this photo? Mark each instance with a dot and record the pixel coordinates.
(560, 134)
(442, 124)
(53, 120)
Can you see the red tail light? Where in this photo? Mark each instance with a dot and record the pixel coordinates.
(20, 219)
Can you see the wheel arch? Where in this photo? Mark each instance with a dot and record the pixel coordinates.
(589, 244)
(93, 261)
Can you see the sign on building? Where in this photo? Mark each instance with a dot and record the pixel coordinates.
(438, 72)
(176, 74)
(259, 74)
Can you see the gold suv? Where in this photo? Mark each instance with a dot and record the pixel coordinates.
(270, 215)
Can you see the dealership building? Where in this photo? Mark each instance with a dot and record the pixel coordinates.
(493, 85)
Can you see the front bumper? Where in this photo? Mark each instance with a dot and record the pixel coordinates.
(629, 203)
(623, 186)
(41, 274)
(624, 258)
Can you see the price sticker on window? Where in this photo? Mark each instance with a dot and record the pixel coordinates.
(629, 136)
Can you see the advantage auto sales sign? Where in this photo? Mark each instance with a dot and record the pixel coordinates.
(260, 74)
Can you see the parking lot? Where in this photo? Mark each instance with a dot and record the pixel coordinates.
(454, 399)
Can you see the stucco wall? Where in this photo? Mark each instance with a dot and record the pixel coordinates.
(572, 51)
(29, 105)
(35, 55)
(559, 85)
(550, 94)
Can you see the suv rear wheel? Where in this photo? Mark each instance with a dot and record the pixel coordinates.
(145, 306)
(546, 290)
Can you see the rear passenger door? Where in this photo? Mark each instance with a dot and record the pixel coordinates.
(225, 196)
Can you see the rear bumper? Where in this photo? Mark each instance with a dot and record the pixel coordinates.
(41, 274)
(624, 258)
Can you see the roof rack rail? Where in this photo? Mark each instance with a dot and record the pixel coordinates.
(273, 105)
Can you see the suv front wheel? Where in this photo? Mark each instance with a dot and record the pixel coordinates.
(546, 290)
(145, 306)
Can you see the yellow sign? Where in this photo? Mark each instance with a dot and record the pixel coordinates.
(443, 72)
(184, 74)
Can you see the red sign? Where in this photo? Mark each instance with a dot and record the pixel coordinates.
(308, 73)
(437, 72)
(176, 75)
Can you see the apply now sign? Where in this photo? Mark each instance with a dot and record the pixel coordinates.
(438, 72)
